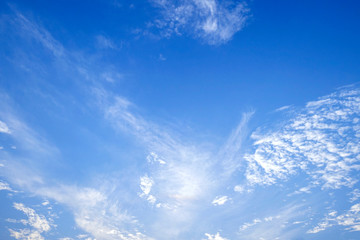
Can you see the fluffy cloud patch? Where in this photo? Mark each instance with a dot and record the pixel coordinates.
(213, 21)
(220, 200)
(4, 128)
(37, 222)
(214, 236)
(322, 141)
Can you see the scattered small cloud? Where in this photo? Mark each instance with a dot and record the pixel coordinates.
(355, 195)
(154, 158)
(38, 224)
(282, 108)
(4, 128)
(214, 236)
(350, 219)
(239, 188)
(220, 200)
(250, 224)
(145, 185)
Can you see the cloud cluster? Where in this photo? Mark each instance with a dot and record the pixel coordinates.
(38, 224)
(321, 141)
(213, 21)
(350, 219)
(214, 236)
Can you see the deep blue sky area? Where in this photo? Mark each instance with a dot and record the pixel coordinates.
(307, 48)
(179, 119)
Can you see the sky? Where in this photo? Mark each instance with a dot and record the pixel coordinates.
(186, 119)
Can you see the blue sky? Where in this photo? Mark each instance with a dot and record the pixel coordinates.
(189, 119)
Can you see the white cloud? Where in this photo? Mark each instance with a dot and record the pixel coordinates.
(220, 200)
(96, 212)
(4, 128)
(282, 108)
(81, 236)
(214, 236)
(5, 186)
(350, 219)
(250, 224)
(145, 186)
(355, 195)
(213, 21)
(37, 222)
(275, 226)
(231, 152)
(185, 175)
(306, 189)
(322, 141)
(154, 158)
(239, 188)
(26, 234)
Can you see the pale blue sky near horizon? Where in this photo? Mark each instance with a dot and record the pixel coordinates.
(189, 119)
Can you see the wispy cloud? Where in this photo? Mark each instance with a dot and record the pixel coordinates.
(181, 176)
(106, 43)
(276, 226)
(39, 33)
(355, 195)
(96, 212)
(350, 219)
(213, 21)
